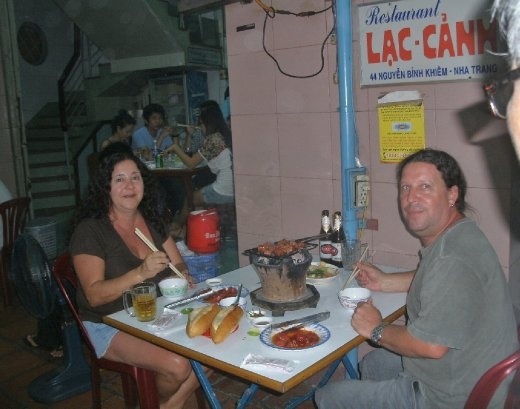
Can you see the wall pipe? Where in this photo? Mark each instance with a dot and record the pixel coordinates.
(348, 136)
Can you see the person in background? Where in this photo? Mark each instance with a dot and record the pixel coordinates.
(218, 155)
(460, 316)
(504, 93)
(153, 133)
(194, 141)
(110, 258)
(122, 129)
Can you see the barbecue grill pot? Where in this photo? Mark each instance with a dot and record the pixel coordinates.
(282, 279)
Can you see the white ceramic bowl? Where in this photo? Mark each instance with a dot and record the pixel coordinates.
(255, 313)
(350, 297)
(212, 282)
(226, 302)
(262, 322)
(174, 288)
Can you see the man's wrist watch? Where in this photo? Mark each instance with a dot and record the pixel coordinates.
(377, 333)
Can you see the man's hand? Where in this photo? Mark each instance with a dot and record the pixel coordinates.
(365, 318)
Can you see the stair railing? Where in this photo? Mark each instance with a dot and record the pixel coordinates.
(82, 64)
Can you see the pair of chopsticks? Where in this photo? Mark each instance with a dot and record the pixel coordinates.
(152, 247)
(187, 126)
(356, 269)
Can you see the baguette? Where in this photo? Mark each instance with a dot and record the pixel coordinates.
(200, 319)
(225, 322)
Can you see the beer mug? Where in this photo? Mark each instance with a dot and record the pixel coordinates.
(144, 301)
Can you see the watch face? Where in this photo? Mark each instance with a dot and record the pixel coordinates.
(32, 43)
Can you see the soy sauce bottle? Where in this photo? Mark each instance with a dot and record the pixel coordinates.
(325, 246)
(337, 239)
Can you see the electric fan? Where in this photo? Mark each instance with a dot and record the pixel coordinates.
(39, 294)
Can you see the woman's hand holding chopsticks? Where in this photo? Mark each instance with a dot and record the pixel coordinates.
(152, 247)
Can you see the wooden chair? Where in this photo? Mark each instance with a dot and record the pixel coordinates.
(14, 216)
(488, 384)
(132, 377)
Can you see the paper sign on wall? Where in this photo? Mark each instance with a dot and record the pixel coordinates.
(401, 125)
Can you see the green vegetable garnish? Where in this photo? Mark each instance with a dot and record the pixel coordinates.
(254, 332)
(186, 310)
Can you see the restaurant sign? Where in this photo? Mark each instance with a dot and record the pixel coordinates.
(426, 40)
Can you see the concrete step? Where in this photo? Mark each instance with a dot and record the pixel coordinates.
(46, 184)
(53, 199)
(48, 169)
(45, 157)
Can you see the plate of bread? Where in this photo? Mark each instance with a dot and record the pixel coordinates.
(213, 320)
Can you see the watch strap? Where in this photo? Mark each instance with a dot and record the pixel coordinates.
(377, 333)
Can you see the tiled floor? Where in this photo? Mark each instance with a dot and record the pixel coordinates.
(20, 365)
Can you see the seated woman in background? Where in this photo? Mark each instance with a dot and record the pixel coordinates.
(122, 129)
(217, 152)
(110, 258)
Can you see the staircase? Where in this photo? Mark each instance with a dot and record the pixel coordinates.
(52, 193)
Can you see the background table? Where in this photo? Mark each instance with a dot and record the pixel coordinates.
(185, 174)
(229, 355)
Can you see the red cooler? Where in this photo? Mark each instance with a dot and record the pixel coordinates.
(203, 231)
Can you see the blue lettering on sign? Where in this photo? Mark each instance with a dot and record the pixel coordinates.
(461, 70)
(376, 16)
(414, 73)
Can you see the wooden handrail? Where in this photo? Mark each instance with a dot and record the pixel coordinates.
(65, 76)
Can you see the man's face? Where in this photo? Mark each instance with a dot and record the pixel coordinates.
(513, 117)
(425, 201)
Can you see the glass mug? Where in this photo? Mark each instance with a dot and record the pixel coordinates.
(144, 301)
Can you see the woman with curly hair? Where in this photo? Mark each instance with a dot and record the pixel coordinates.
(109, 258)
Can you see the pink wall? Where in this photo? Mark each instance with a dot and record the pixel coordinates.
(287, 149)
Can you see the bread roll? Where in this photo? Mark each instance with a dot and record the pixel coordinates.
(225, 322)
(200, 320)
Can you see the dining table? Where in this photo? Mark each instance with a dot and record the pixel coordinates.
(339, 345)
(179, 170)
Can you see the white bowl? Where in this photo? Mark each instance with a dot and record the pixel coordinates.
(226, 302)
(350, 297)
(212, 282)
(255, 313)
(174, 288)
(262, 322)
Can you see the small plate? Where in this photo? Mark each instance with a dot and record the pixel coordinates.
(324, 273)
(221, 288)
(213, 282)
(323, 333)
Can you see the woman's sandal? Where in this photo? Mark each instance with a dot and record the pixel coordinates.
(57, 352)
(30, 341)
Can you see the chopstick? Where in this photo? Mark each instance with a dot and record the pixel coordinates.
(154, 249)
(356, 269)
(187, 126)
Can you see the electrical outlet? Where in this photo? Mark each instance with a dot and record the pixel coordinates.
(361, 190)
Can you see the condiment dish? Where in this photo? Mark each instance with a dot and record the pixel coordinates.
(261, 322)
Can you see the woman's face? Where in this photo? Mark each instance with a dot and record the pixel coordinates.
(125, 133)
(126, 187)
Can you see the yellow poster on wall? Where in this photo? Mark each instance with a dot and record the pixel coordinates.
(401, 127)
